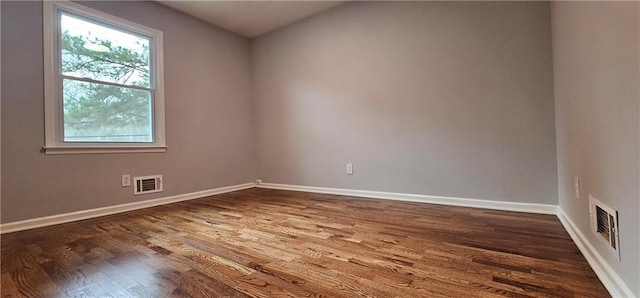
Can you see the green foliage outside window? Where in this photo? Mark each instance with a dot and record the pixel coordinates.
(96, 111)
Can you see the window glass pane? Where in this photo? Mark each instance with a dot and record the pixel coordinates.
(98, 52)
(104, 113)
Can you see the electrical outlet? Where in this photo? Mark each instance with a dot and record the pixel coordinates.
(349, 169)
(126, 180)
(576, 187)
(258, 181)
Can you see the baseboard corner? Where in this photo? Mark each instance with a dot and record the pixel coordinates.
(609, 278)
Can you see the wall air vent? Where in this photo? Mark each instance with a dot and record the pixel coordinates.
(604, 223)
(147, 184)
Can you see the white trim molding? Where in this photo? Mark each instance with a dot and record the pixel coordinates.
(97, 212)
(440, 200)
(104, 149)
(609, 278)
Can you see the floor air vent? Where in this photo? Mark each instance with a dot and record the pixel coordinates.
(147, 184)
(604, 223)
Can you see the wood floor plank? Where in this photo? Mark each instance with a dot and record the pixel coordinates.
(272, 243)
(9, 287)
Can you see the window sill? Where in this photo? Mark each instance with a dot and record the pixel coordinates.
(102, 149)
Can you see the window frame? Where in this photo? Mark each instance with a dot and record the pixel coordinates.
(53, 78)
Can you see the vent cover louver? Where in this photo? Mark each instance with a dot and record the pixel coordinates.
(147, 184)
(604, 222)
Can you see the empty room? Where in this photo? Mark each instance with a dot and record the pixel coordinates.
(320, 149)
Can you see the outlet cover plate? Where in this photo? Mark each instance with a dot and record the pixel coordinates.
(126, 180)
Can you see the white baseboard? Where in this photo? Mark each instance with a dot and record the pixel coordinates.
(97, 212)
(440, 200)
(610, 279)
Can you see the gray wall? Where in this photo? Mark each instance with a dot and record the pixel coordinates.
(208, 117)
(596, 50)
(435, 98)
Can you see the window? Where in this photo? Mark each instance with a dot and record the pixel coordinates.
(103, 83)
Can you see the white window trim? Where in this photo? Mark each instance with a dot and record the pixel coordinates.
(53, 94)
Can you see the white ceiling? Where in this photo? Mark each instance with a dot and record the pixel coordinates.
(251, 18)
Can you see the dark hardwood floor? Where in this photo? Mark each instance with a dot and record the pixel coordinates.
(268, 243)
